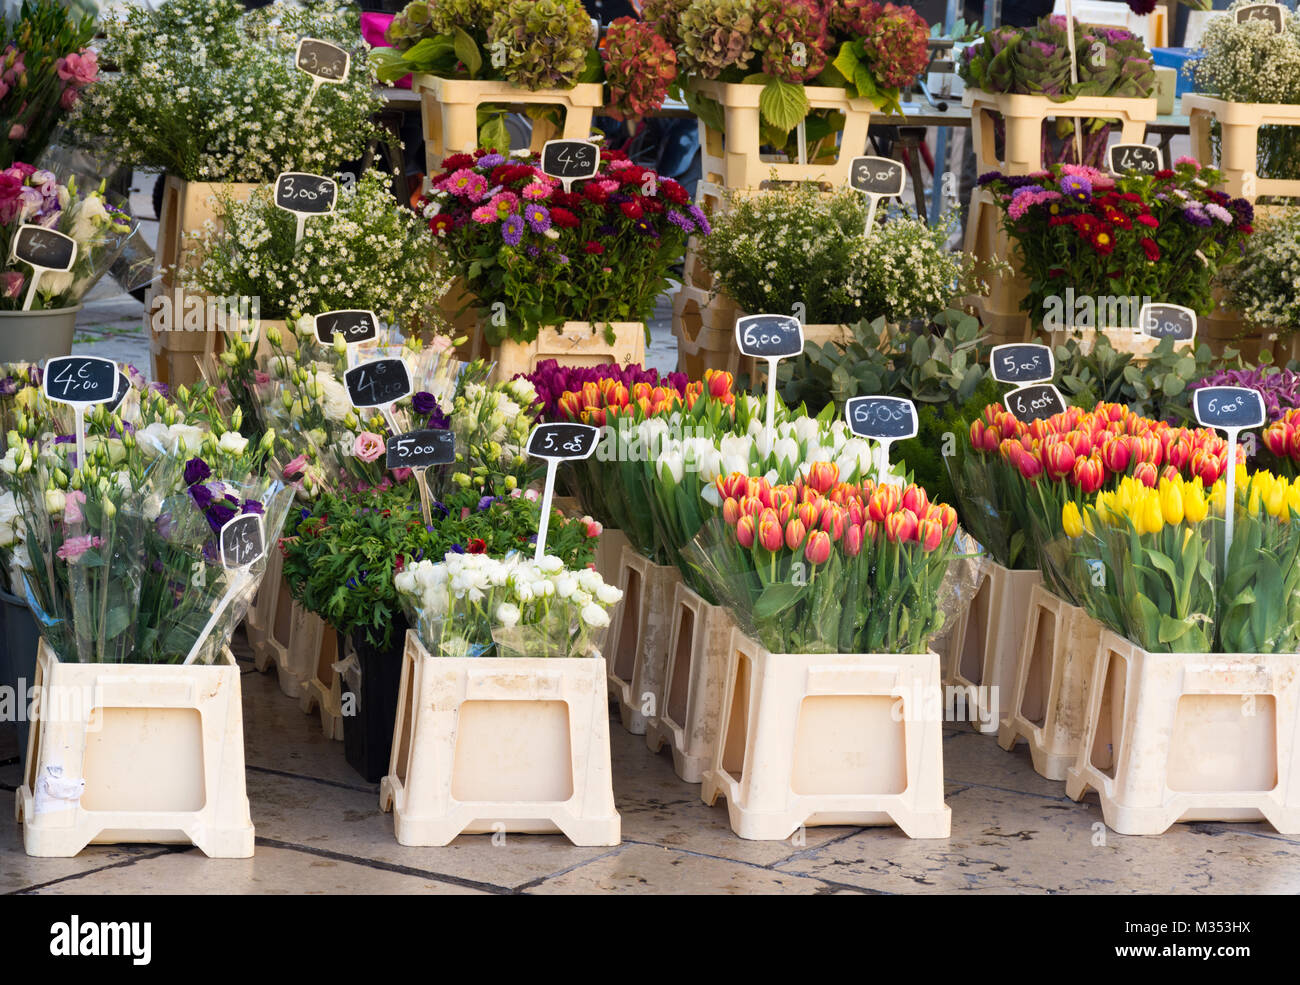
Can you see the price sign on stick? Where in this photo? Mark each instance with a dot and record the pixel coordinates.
(1270, 12)
(43, 250)
(1230, 409)
(1033, 403)
(1134, 159)
(418, 451)
(1022, 362)
(324, 61)
(81, 381)
(876, 178)
(773, 338)
(240, 545)
(378, 383)
(557, 443)
(305, 194)
(355, 327)
(570, 160)
(883, 420)
(123, 388)
(1167, 321)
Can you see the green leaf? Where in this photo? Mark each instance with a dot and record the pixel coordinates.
(846, 62)
(466, 49)
(783, 104)
(389, 64)
(776, 599)
(494, 134)
(1171, 629)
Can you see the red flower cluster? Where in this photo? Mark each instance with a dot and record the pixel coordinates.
(819, 514)
(1088, 450)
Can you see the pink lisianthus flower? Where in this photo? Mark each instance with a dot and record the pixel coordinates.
(368, 446)
(72, 506)
(79, 68)
(401, 475)
(74, 547)
(11, 283)
(69, 98)
(296, 467)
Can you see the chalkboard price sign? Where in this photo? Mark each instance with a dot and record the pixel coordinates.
(1134, 159)
(1270, 12)
(1228, 407)
(563, 441)
(306, 194)
(354, 326)
(377, 383)
(421, 449)
(876, 176)
(570, 159)
(1167, 321)
(242, 541)
(44, 248)
(322, 60)
(123, 388)
(1022, 362)
(80, 379)
(1033, 403)
(881, 418)
(769, 336)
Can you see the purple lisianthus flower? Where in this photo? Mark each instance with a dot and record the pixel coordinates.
(165, 525)
(1027, 190)
(196, 470)
(425, 403)
(1076, 186)
(64, 439)
(254, 506)
(219, 514)
(512, 230)
(8, 386)
(437, 419)
(201, 495)
(439, 510)
(485, 502)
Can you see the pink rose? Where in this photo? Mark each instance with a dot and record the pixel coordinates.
(260, 378)
(11, 283)
(72, 506)
(594, 528)
(368, 446)
(79, 68)
(74, 547)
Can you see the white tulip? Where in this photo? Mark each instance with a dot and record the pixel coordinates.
(806, 429)
(608, 594)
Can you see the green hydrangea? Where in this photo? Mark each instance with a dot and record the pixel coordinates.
(546, 41)
(716, 35)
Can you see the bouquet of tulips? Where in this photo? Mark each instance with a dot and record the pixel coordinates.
(820, 567)
(1149, 563)
(1015, 478)
(1282, 442)
(552, 381)
(473, 605)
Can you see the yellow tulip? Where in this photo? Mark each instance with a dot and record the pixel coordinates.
(1194, 505)
(1171, 502)
(1152, 518)
(1218, 496)
(1293, 498)
(1071, 520)
(1275, 500)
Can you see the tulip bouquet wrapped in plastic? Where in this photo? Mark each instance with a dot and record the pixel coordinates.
(1148, 562)
(1014, 478)
(857, 569)
(472, 605)
(552, 380)
(1282, 443)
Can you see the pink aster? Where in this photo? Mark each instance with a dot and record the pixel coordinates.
(504, 203)
(1022, 203)
(477, 189)
(607, 186)
(484, 215)
(1188, 160)
(458, 182)
(536, 191)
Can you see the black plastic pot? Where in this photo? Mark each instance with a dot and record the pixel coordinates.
(368, 730)
(18, 639)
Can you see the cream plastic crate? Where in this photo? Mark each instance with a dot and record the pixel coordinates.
(271, 649)
(449, 112)
(500, 745)
(1050, 699)
(829, 738)
(1239, 125)
(575, 343)
(1190, 737)
(609, 554)
(985, 662)
(321, 691)
(261, 615)
(733, 160)
(705, 329)
(135, 753)
(1023, 116)
(1135, 343)
(177, 355)
(637, 638)
(691, 715)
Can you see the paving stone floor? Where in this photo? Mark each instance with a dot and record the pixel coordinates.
(320, 830)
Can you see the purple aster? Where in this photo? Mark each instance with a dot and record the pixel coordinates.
(561, 259)
(618, 198)
(1077, 187)
(1245, 211)
(646, 227)
(1197, 215)
(196, 470)
(532, 251)
(988, 177)
(539, 218)
(512, 230)
(680, 221)
(701, 220)
(490, 161)
(607, 230)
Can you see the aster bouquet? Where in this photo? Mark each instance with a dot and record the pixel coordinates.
(34, 196)
(1014, 479)
(535, 255)
(473, 605)
(350, 546)
(552, 380)
(1110, 62)
(854, 569)
(1159, 238)
(1262, 286)
(208, 92)
(44, 67)
(1146, 562)
(869, 50)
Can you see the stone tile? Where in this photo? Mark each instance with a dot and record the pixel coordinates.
(969, 757)
(273, 871)
(1010, 842)
(642, 869)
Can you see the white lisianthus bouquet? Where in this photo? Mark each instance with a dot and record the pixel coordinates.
(208, 92)
(492, 422)
(472, 605)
